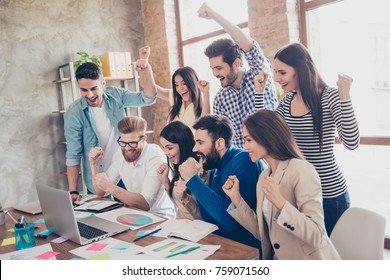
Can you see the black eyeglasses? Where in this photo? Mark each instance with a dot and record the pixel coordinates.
(132, 144)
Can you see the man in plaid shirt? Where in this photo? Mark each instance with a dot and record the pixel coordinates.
(237, 98)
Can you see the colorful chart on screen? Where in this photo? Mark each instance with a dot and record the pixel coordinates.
(134, 219)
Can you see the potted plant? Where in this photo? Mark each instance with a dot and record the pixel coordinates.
(85, 57)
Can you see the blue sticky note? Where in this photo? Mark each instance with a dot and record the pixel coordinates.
(141, 232)
(40, 221)
(45, 232)
(122, 246)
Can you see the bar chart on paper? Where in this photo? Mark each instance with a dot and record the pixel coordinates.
(179, 249)
(175, 245)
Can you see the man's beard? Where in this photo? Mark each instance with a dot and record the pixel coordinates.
(212, 159)
(134, 155)
(231, 77)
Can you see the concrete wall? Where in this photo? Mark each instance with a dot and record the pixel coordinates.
(35, 38)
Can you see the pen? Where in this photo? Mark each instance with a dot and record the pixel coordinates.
(148, 234)
(9, 214)
(184, 252)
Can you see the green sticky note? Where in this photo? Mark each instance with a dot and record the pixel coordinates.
(102, 256)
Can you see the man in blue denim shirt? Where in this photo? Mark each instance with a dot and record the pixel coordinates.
(91, 121)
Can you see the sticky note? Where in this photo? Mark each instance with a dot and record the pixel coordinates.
(96, 247)
(47, 255)
(102, 256)
(40, 221)
(8, 241)
(122, 246)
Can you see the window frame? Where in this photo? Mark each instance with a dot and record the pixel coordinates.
(196, 39)
(304, 7)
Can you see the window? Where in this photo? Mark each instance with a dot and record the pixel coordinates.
(353, 37)
(197, 33)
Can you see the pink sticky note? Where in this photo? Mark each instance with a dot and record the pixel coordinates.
(47, 255)
(96, 247)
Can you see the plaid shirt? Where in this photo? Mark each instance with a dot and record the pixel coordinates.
(237, 104)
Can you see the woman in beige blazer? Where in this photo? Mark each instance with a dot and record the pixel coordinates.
(289, 219)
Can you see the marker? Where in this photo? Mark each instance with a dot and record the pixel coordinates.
(184, 252)
(148, 234)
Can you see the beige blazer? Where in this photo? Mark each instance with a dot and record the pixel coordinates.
(297, 231)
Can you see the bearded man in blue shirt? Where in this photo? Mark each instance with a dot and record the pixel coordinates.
(213, 144)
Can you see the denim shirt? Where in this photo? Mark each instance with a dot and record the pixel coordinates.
(80, 130)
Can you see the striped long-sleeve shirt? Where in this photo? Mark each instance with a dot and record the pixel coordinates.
(336, 113)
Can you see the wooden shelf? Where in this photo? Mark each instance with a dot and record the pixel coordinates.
(118, 78)
(59, 112)
(60, 81)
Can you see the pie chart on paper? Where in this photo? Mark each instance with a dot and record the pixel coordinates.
(134, 219)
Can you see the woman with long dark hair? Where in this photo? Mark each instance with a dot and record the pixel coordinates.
(189, 97)
(289, 219)
(314, 111)
(177, 141)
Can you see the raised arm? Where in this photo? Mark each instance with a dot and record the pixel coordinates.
(146, 73)
(95, 155)
(340, 105)
(204, 87)
(163, 93)
(243, 40)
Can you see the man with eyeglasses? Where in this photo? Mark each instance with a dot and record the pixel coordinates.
(92, 119)
(135, 164)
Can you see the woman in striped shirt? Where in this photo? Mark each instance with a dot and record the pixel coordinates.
(314, 111)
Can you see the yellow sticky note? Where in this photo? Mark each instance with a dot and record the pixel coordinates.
(8, 241)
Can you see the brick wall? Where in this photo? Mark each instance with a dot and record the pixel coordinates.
(273, 23)
(159, 32)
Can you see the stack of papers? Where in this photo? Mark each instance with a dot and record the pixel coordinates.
(186, 229)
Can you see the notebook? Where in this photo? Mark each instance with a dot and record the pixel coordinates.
(33, 207)
(60, 218)
(186, 229)
(98, 206)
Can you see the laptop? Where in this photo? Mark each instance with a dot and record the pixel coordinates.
(60, 218)
(33, 207)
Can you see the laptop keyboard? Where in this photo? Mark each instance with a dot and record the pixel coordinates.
(89, 232)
